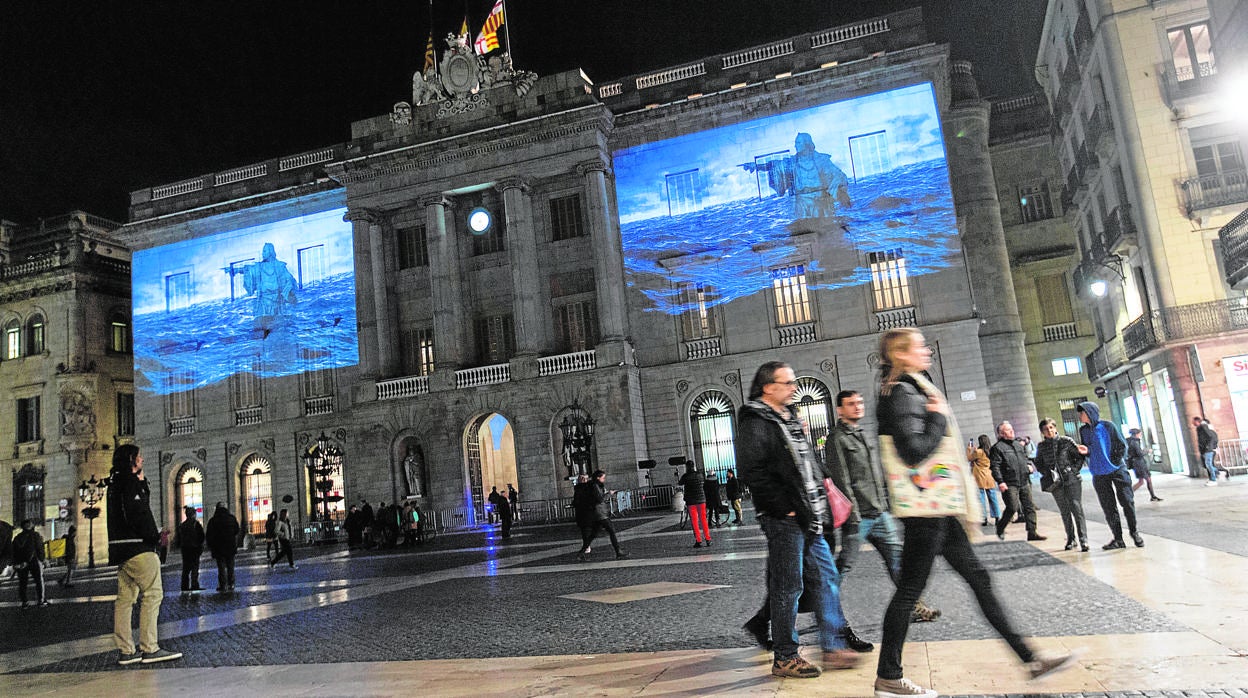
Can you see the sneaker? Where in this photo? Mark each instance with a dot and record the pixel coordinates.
(1070, 545)
(294, 567)
(45, 602)
(902, 688)
(836, 660)
(160, 656)
(698, 544)
(1041, 667)
(758, 628)
(795, 668)
(1083, 547)
(1211, 483)
(1155, 499)
(854, 642)
(708, 542)
(1114, 545)
(1138, 540)
(128, 659)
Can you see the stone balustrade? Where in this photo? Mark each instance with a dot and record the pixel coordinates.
(853, 31)
(407, 386)
(239, 174)
(567, 363)
(182, 426)
(313, 406)
(757, 54)
(892, 319)
(1060, 331)
(482, 375)
(248, 416)
(703, 348)
(796, 334)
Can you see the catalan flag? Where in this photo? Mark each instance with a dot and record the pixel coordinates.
(487, 40)
(429, 52)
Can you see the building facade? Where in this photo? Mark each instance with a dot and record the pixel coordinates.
(65, 368)
(515, 279)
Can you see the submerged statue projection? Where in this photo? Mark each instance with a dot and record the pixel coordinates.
(809, 176)
(270, 282)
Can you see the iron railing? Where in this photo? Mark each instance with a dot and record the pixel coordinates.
(1232, 455)
(1234, 238)
(1211, 191)
(1179, 323)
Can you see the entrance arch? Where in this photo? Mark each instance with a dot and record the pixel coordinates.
(814, 404)
(714, 433)
(256, 486)
(489, 459)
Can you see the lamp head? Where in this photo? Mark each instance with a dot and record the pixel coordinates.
(1098, 288)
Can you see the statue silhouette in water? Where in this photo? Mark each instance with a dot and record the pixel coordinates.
(271, 283)
(810, 177)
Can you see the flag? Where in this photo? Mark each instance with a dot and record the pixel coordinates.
(463, 28)
(428, 52)
(487, 40)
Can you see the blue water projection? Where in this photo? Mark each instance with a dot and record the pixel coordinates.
(222, 329)
(745, 225)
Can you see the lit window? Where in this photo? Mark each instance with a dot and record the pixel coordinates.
(12, 340)
(890, 280)
(698, 318)
(119, 339)
(788, 286)
(417, 351)
(1068, 366)
(1192, 53)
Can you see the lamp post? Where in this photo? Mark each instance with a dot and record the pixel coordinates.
(324, 463)
(577, 428)
(90, 492)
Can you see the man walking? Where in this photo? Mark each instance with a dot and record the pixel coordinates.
(589, 500)
(1207, 443)
(132, 540)
(223, 543)
(1012, 471)
(732, 490)
(777, 461)
(1110, 479)
(857, 473)
(285, 546)
(28, 559)
(190, 540)
(71, 557)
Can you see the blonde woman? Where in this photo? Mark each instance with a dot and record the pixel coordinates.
(981, 468)
(915, 414)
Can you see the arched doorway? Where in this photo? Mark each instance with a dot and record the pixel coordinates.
(256, 483)
(714, 433)
(814, 405)
(190, 491)
(490, 459)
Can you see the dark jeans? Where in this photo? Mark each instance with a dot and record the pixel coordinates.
(590, 532)
(1069, 498)
(925, 539)
(285, 550)
(883, 533)
(793, 557)
(1116, 484)
(225, 572)
(190, 568)
(34, 568)
(1018, 498)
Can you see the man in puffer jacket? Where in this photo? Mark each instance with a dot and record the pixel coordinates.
(1110, 478)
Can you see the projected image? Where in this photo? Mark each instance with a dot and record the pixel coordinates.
(267, 300)
(721, 208)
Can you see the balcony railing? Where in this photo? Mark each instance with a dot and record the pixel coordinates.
(407, 386)
(796, 334)
(1234, 237)
(892, 319)
(1059, 332)
(1139, 337)
(313, 406)
(182, 426)
(567, 363)
(482, 375)
(702, 348)
(1180, 323)
(248, 416)
(1106, 358)
(1119, 229)
(1222, 189)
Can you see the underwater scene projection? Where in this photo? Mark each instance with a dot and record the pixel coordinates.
(270, 298)
(725, 206)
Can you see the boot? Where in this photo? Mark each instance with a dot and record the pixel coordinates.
(856, 643)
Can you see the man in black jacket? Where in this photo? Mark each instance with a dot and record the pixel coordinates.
(1012, 472)
(190, 540)
(132, 540)
(590, 501)
(28, 559)
(1207, 444)
(222, 538)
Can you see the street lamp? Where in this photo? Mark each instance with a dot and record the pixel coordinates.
(90, 492)
(324, 463)
(577, 428)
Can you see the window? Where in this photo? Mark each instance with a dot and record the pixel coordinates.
(236, 270)
(28, 486)
(565, 218)
(1217, 159)
(190, 491)
(1192, 53)
(311, 265)
(1068, 366)
(1070, 414)
(711, 420)
(814, 407)
(1034, 203)
(788, 286)
(1054, 297)
(119, 337)
(177, 291)
(34, 335)
(496, 339)
(683, 194)
(417, 351)
(28, 419)
(180, 400)
(868, 154)
(576, 326)
(317, 378)
(413, 251)
(257, 473)
(125, 414)
(12, 340)
(890, 281)
(697, 320)
(245, 384)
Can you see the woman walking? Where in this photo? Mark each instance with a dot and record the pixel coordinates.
(1139, 464)
(981, 468)
(1059, 460)
(916, 417)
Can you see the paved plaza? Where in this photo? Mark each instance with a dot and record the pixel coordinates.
(469, 615)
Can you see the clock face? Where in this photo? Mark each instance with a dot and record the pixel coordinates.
(460, 74)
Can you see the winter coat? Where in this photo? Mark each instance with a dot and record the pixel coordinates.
(27, 547)
(590, 501)
(1206, 438)
(131, 526)
(981, 468)
(694, 486)
(222, 534)
(768, 462)
(1058, 461)
(190, 537)
(855, 471)
(1009, 463)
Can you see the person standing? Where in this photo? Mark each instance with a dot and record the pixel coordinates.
(190, 541)
(981, 469)
(777, 461)
(513, 498)
(1137, 461)
(493, 499)
(504, 515)
(1012, 470)
(914, 414)
(1059, 460)
(132, 539)
(589, 500)
(1207, 444)
(270, 536)
(28, 559)
(695, 501)
(285, 545)
(222, 540)
(1110, 479)
(711, 486)
(732, 490)
(71, 557)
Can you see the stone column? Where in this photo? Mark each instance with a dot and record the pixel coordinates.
(386, 340)
(525, 281)
(448, 299)
(1001, 337)
(77, 358)
(608, 254)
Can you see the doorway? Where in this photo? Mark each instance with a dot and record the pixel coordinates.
(490, 460)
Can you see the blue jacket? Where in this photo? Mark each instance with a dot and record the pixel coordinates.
(1105, 445)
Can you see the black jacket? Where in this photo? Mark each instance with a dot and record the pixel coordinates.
(1009, 463)
(732, 489)
(190, 537)
(849, 458)
(1058, 461)
(222, 534)
(1206, 438)
(590, 501)
(694, 487)
(27, 547)
(768, 464)
(131, 526)
(1135, 454)
(903, 415)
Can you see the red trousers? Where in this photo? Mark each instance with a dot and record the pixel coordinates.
(697, 517)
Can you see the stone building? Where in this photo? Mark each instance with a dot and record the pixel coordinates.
(545, 276)
(65, 367)
(1154, 168)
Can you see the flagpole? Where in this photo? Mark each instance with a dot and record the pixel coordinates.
(507, 28)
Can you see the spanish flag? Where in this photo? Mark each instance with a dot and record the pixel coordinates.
(487, 40)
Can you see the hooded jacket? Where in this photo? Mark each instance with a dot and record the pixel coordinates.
(223, 534)
(131, 526)
(767, 459)
(1106, 446)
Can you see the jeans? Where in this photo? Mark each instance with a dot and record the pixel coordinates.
(137, 578)
(1069, 498)
(225, 572)
(881, 532)
(285, 550)
(1207, 458)
(925, 538)
(790, 551)
(1116, 484)
(190, 568)
(1018, 498)
(34, 568)
(588, 533)
(988, 500)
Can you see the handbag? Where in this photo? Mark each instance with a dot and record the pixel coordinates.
(839, 503)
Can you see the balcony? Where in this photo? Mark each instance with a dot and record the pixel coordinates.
(703, 349)
(182, 426)
(1212, 191)
(567, 363)
(1181, 324)
(1060, 331)
(1106, 360)
(1139, 337)
(313, 406)
(892, 319)
(1234, 237)
(407, 386)
(1120, 231)
(1182, 84)
(796, 334)
(247, 416)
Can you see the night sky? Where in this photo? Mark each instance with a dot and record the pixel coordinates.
(101, 98)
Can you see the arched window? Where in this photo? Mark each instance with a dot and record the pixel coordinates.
(119, 333)
(257, 474)
(714, 433)
(12, 339)
(34, 335)
(814, 405)
(191, 490)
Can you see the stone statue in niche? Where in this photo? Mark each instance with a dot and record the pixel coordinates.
(77, 415)
(414, 471)
(401, 115)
